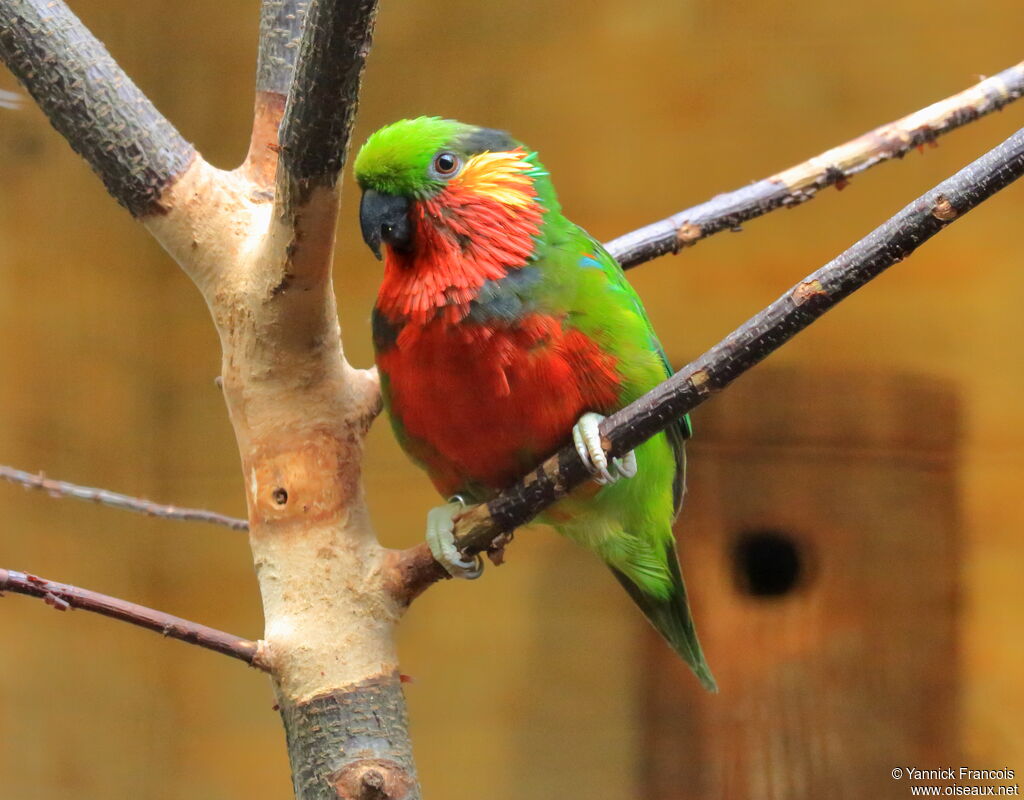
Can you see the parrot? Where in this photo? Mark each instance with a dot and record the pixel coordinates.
(502, 332)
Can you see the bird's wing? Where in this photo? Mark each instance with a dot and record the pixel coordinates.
(596, 257)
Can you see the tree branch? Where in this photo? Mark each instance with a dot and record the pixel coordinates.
(63, 597)
(802, 304)
(10, 100)
(833, 167)
(324, 95)
(281, 24)
(123, 502)
(92, 103)
(300, 412)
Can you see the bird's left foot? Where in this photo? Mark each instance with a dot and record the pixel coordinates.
(587, 438)
(441, 540)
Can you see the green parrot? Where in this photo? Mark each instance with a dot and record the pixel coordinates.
(502, 332)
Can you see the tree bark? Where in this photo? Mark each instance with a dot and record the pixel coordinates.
(104, 116)
(262, 261)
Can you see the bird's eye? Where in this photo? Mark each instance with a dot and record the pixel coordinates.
(445, 164)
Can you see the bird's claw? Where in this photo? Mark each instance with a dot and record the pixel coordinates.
(441, 541)
(626, 466)
(587, 438)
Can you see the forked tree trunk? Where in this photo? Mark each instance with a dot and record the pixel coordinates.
(300, 413)
(258, 243)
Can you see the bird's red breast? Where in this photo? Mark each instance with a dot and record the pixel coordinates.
(482, 403)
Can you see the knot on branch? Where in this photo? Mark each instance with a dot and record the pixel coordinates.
(688, 235)
(263, 657)
(943, 210)
(368, 401)
(372, 779)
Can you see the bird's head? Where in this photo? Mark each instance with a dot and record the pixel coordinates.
(449, 206)
(445, 173)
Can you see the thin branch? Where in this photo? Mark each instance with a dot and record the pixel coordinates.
(92, 103)
(116, 500)
(832, 168)
(324, 95)
(63, 597)
(10, 100)
(760, 336)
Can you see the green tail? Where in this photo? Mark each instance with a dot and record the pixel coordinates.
(672, 619)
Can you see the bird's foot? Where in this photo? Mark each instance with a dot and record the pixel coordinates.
(441, 541)
(587, 438)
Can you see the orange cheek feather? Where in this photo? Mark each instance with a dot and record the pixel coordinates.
(483, 225)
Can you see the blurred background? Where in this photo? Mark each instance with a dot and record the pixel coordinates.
(853, 535)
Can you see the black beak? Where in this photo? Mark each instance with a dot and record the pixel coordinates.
(385, 218)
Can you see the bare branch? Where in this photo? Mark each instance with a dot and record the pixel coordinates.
(10, 100)
(116, 500)
(63, 597)
(757, 338)
(324, 95)
(832, 168)
(92, 103)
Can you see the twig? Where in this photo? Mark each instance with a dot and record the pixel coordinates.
(324, 95)
(92, 103)
(801, 305)
(116, 500)
(63, 597)
(833, 167)
(10, 100)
